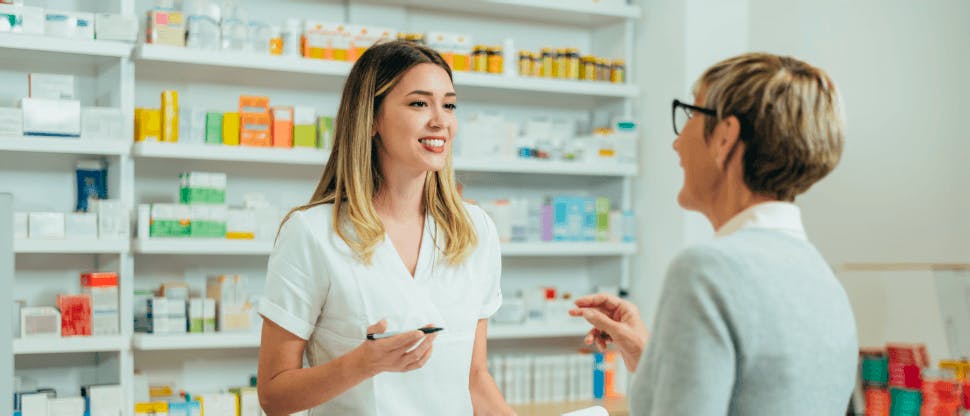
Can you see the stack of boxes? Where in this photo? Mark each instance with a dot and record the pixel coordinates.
(205, 195)
(906, 364)
(93, 312)
(255, 124)
(897, 381)
(875, 379)
(52, 109)
(560, 218)
(17, 18)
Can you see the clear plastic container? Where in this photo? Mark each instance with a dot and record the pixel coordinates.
(235, 31)
(260, 36)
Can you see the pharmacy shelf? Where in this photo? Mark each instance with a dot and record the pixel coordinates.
(71, 246)
(156, 342)
(317, 158)
(243, 154)
(559, 249)
(572, 328)
(552, 86)
(221, 246)
(74, 146)
(547, 167)
(62, 345)
(573, 12)
(164, 54)
(176, 58)
(202, 246)
(41, 43)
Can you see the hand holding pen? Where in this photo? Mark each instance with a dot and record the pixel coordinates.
(402, 352)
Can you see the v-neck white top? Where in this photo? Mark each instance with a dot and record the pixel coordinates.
(317, 289)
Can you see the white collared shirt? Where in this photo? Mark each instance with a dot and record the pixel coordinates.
(317, 289)
(776, 215)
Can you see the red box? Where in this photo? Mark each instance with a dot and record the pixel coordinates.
(99, 279)
(905, 376)
(75, 314)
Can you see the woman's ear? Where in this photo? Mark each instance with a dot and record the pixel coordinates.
(724, 140)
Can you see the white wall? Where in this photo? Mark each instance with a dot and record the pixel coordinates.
(902, 190)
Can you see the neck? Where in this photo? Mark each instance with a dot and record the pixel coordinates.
(732, 197)
(402, 195)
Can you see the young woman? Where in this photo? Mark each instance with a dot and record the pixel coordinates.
(385, 244)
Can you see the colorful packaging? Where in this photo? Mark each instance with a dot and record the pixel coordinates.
(255, 129)
(148, 125)
(170, 116)
(213, 128)
(75, 314)
(165, 28)
(230, 129)
(282, 126)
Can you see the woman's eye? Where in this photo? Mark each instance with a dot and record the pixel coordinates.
(451, 106)
(419, 104)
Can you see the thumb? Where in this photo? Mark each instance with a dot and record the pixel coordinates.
(378, 328)
(600, 320)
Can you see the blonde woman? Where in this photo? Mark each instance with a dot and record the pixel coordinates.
(753, 322)
(385, 245)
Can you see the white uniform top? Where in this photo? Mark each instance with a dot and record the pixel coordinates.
(319, 291)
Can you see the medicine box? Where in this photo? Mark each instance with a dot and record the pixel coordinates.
(40, 321)
(47, 117)
(81, 225)
(46, 225)
(50, 86)
(75, 314)
(170, 116)
(148, 124)
(113, 218)
(102, 287)
(113, 26)
(230, 129)
(165, 28)
(255, 130)
(282, 126)
(325, 132)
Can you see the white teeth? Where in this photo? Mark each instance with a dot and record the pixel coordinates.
(433, 142)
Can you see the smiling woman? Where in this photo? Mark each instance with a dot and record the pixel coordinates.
(385, 244)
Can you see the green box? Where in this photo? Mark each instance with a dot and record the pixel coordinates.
(207, 229)
(325, 133)
(196, 325)
(167, 229)
(602, 219)
(213, 128)
(305, 135)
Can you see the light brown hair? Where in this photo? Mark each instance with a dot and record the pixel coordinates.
(791, 119)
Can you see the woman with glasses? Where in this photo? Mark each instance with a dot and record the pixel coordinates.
(753, 322)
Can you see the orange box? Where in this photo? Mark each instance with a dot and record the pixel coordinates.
(249, 104)
(282, 118)
(254, 130)
(99, 279)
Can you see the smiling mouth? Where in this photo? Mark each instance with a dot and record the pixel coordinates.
(434, 142)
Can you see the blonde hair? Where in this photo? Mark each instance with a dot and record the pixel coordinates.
(791, 119)
(353, 173)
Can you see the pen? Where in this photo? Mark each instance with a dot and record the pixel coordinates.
(391, 334)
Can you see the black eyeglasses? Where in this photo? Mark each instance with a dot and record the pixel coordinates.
(687, 111)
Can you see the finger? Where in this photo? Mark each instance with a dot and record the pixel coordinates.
(378, 328)
(404, 342)
(590, 337)
(599, 320)
(422, 360)
(599, 300)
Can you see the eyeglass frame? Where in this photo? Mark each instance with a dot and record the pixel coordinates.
(677, 103)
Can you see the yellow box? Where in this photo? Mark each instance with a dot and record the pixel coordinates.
(150, 408)
(148, 124)
(170, 116)
(230, 129)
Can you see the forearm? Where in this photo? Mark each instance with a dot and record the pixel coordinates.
(300, 389)
(486, 398)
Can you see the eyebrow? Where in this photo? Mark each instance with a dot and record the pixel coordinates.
(429, 94)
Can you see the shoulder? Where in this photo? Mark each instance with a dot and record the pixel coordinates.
(307, 222)
(480, 220)
(708, 266)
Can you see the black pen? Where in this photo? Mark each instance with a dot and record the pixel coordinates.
(391, 334)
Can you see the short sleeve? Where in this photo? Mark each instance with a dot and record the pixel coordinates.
(296, 286)
(491, 266)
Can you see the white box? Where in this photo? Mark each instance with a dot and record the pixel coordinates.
(112, 26)
(113, 217)
(85, 25)
(102, 123)
(20, 19)
(241, 221)
(40, 321)
(59, 23)
(65, 406)
(11, 122)
(219, 404)
(20, 229)
(46, 225)
(45, 117)
(81, 225)
(35, 404)
(304, 115)
(105, 400)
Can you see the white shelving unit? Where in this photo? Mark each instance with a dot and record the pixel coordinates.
(65, 146)
(315, 158)
(86, 246)
(123, 75)
(221, 246)
(63, 345)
